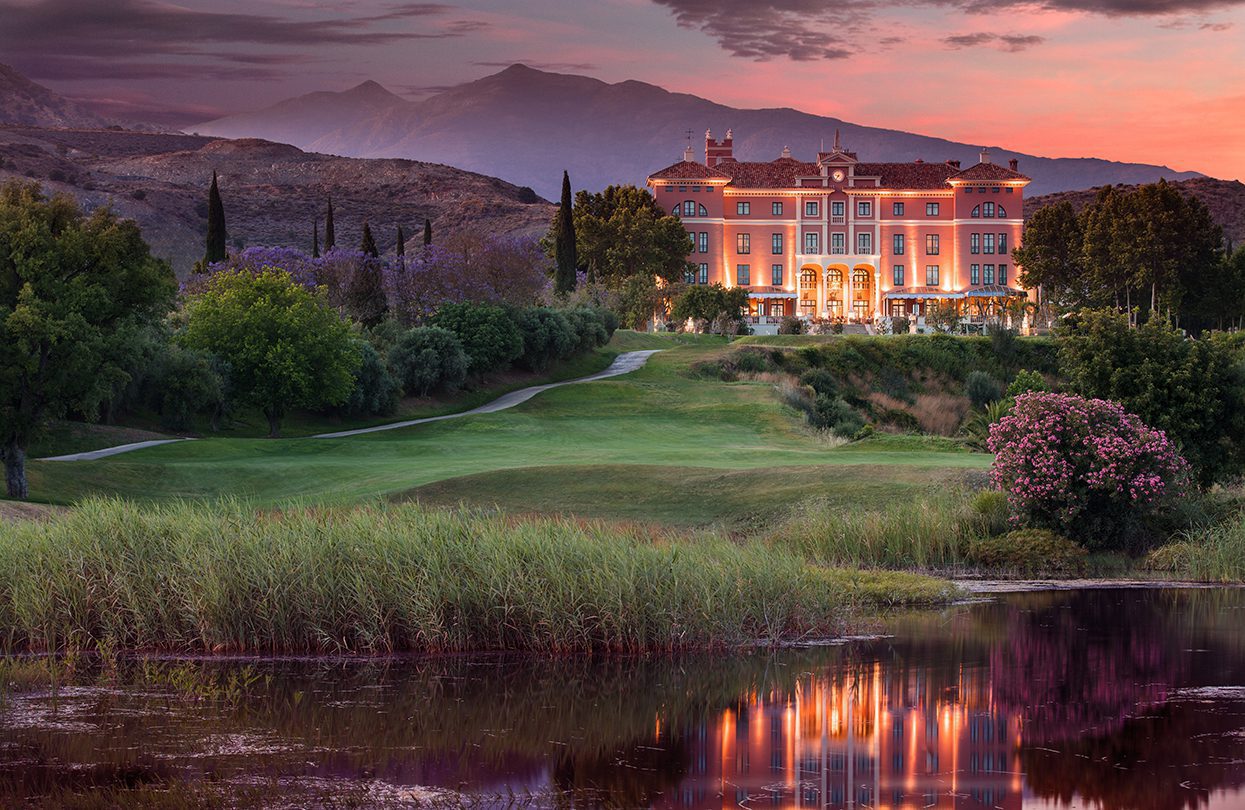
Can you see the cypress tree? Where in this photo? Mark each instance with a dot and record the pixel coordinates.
(401, 242)
(427, 232)
(330, 238)
(564, 244)
(216, 235)
(365, 296)
(369, 244)
(315, 240)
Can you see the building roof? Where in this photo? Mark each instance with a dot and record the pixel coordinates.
(988, 172)
(689, 170)
(908, 175)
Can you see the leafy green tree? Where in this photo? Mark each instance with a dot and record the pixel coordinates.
(74, 292)
(547, 337)
(366, 300)
(217, 237)
(621, 232)
(591, 327)
(330, 234)
(709, 303)
(1193, 390)
(428, 358)
(487, 333)
(567, 262)
(285, 346)
(186, 382)
(375, 390)
(1050, 255)
(639, 299)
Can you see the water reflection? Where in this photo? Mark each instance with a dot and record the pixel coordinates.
(1085, 699)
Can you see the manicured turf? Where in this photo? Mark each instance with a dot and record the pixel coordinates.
(656, 417)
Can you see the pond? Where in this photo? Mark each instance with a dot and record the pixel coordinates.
(1128, 698)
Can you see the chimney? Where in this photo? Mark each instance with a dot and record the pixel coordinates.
(786, 152)
(718, 151)
(918, 161)
(985, 154)
(955, 164)
(1013, 164)
(689, 155)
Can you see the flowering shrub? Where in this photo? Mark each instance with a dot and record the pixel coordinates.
(1083, 467)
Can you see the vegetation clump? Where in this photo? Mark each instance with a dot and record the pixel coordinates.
(1029, 552)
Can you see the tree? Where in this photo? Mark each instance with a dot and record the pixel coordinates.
(285, 346)
(74, 292)
(547, 337)
(401, 247)
(427, 232)
(564, 242)
(330, 235)
(216, 233)
(640, 298)
(366, 301)
(1193, 390)
(368, 246)
(709, 303)
(428, 358)
(375, 390)
(1050, 255)
(490, 338)
(315, 240)
(621, 232)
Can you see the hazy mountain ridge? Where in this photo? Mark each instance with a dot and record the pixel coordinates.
(528, 125)
(1224, 198)
(273, 192)
(25, 102)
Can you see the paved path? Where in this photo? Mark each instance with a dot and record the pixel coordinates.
(623, 364)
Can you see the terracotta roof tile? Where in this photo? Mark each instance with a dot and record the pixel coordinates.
(988, 171)
(907, 175)
(688, 170)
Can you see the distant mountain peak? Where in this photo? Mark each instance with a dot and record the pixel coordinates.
(28, 103)
(372, 89)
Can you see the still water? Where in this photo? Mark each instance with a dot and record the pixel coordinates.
(1099, 698)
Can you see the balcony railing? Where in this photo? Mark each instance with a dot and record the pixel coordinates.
(837, 219)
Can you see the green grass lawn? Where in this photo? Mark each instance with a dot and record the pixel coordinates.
(657, 438)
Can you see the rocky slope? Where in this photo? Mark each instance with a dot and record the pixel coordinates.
(24, 102)
(272, 192)
(1224, 198)
(528, 125)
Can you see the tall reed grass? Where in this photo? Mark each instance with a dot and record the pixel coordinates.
(1212, 554)
(223, 577)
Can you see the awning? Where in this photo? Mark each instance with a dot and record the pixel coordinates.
(994, 291)
(922, 292)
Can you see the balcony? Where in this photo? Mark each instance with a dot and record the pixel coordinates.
(838, 219)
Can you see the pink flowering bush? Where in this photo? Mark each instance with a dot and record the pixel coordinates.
(1083, 467)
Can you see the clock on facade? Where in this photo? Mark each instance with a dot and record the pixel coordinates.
(838, 175)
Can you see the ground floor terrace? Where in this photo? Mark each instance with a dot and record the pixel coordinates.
(853, 291)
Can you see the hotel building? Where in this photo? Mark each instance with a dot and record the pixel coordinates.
(840, 238)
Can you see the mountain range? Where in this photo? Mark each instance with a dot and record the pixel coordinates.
(527, 125)
(24, 102)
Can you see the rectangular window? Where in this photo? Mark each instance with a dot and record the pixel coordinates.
(897, 274)
(837, 212)
(775, 275)
(931, 275)
(864, 208)
(704, 273)
(775, 244)
(974, 274)
(987, 209)
(743, 209)
(776, 209)
(810, 209)
(689, 208)
(1003, 274)
(743, 275)
(931, 209)
(864, 242)
(743, 243)
(931, 244)
(811, 243)
(702, 242)
(897, 244)
(897, 209)
(1003, 243)
(974, 243)
(987, 274)
(838, 243)
(689, 277)
(987, 243)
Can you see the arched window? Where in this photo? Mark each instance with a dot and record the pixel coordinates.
(987, 209)
(834, 276)
(704, 212)
(1002, 211)
(860, 278)
(808, 278)
(689, 208)
(976, 212)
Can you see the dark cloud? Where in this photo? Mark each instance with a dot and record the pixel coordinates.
(108, 38)
(1012, 43)
(814, 29)
(420, 90)
(539, 65)
(1215, 26)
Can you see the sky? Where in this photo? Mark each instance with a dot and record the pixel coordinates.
(1154, 81)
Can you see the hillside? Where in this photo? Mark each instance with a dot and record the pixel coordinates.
(272, 192)
(24, 102)
(527, 125)
(1224, 198)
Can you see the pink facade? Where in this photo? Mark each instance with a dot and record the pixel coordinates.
(842, 238)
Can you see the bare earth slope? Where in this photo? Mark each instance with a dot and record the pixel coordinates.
(272, 192)
(1224, 198)
(528, 125)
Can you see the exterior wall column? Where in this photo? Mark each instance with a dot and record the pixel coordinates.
(821, 290)
(877, 291)
(847, 292)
